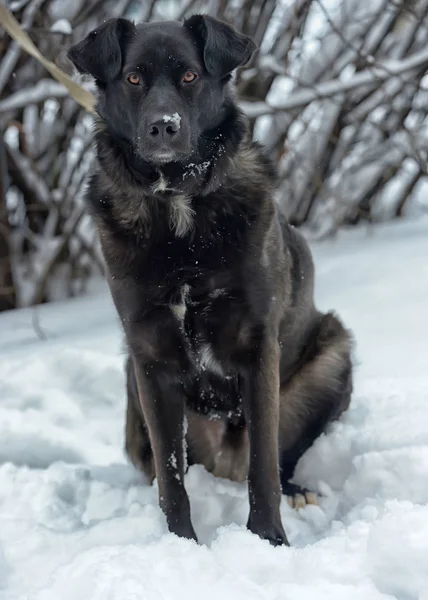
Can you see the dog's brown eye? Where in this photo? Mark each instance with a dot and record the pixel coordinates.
(134, 78)
(189, 77)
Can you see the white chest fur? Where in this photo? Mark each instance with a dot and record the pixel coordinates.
(204, 354)
(181, 213)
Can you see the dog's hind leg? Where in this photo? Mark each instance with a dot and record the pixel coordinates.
(316, 394)
(221, 445)
(137, 442)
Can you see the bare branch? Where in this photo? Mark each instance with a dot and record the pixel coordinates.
(406, 193)
(54, 258)
(46, 88)
(9, 62)
(372, 76)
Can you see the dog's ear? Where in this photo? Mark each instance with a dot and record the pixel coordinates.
(222, 47)
(100, 54)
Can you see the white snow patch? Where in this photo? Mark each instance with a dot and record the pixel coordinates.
(174, 464)
(77, 522)
(62, 26)
(196, 168)
(175, 119)
(218, 292)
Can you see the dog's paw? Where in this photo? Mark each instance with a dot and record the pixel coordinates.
(298, 497)
(273, 532)
(277, 540)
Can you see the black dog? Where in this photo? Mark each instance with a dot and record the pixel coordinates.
(214, 289)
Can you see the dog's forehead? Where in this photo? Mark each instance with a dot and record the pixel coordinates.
(162, 43)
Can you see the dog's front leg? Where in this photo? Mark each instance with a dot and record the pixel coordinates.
(163, 408)
(261, 405)
(161, 363)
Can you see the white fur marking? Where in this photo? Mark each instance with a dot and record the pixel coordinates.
(208, 361)
(181, 215)
(161, 185)
(180, 309)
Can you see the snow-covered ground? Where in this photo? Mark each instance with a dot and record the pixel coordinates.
(77, 523)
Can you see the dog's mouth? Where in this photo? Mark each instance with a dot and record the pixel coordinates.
(163, 156)
(158, 157)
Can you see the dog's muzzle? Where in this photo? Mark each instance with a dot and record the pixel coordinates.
(164, 138)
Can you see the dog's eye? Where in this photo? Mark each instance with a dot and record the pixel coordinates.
(134, 78)
(189, 77)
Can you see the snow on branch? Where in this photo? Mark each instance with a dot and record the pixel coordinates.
(379, 72)
(337, 93)
(44, 89)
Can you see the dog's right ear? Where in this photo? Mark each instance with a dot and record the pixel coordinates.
(100, 54)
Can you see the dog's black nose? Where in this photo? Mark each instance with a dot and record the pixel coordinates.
(163, 136)
(164, 128)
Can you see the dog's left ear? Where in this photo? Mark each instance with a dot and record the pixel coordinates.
(222, 47)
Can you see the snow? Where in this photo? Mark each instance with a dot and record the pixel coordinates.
(78, 523)
(62, 26)
(175, 119)
(42, 90)
(195, 169)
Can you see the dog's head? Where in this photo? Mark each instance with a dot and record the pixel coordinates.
(162, 85)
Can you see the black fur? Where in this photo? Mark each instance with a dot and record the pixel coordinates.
(214, 289)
